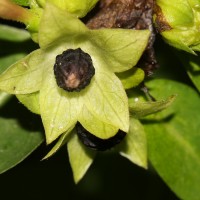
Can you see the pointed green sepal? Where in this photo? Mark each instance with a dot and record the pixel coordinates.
(61, 141)
(139, 109)
(25, 76)
(80, 157)
(120, 48)
(66, 27)
(31, 101)
(134, 146)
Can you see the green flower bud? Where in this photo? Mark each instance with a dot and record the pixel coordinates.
(78, 7)
(179, 23)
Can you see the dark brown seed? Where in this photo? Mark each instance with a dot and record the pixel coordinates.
(96, 143)
(73, 70)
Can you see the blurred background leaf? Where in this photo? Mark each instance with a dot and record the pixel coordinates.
(9, 33)
(20, 131)
(174, 139)
(192, 66)
(15, 43)
(19, 134)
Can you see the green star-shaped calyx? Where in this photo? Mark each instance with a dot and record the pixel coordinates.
(103, 105)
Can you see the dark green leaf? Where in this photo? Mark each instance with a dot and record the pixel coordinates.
(174, 139)
(192, 65)
(19, 135)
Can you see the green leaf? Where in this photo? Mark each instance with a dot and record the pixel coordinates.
(139, 109)
(131, 78)
(25, 76)
(59, 109)
(174, 139)
(107, 100)
(66, 27)
(19, 135)
(31, 101)
(13, 34)
(192, 65)
(61, 141)
(121, 48)
(134, 146)
(10, 40)
(80, 157)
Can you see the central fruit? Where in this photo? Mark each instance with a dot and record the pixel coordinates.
(73, 70)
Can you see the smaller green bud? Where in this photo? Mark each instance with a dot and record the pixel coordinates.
(179, 23)
(77, 7)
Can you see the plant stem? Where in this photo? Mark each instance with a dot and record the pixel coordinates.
(11, 11)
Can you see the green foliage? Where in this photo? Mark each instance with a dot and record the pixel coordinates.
(17, 139)
(173, 138)
(192, 66)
